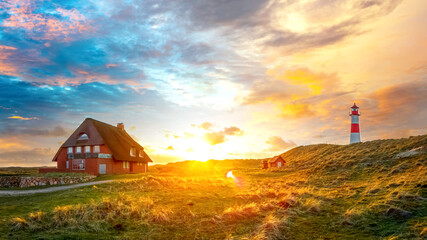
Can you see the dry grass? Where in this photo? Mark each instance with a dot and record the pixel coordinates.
(233, 214)
(270, 229)
(356, 191)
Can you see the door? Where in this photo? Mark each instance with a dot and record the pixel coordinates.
(102, 168)
(131, 166)
(279, 164)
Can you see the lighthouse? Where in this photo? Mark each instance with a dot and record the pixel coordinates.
(355, 130)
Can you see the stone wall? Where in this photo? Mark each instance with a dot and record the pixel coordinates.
(30, 181)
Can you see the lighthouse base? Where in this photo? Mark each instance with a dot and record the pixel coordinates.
(354, 138)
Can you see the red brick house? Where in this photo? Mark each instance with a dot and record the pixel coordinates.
(99, 148)
(275, 162)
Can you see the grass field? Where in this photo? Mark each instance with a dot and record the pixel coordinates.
(371, 190)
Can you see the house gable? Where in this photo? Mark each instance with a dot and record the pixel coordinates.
(99, 133)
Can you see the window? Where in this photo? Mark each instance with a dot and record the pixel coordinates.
(133, 151)
(83, 137)
(78, 164)
(125, 164)
(140, 154)
(78, 149)
(87, 149)
(70, 150)
(68, 164)
(96, 149)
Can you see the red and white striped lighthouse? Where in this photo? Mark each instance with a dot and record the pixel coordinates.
(355, 130)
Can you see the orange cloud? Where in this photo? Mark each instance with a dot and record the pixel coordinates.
(10, 144)
(215, 138)
(170, 148)
(6, 68)
(278, 144)
(205, 125)
(396, 105)
(297, 110)
(111, 65)
(233, 131)
(295, 93)
(23, 118)
(3, 47)
(41, 26)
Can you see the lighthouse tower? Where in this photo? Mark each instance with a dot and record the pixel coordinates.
(355, 130)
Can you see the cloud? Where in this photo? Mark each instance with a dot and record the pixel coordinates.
(6, 67)
(278, 144)
(186, 135)
(170, 148)
(233, 131)
(24, 118)
(399, 107)
(57, 131)
(33, 157)
(296, 93)
(164, 158)
(214, 138)
(205, 125)
(319, 136)
(57, 24)
(111, 65)
(5, 108)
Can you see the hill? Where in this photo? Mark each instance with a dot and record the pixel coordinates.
(369, 190)
(382, 184)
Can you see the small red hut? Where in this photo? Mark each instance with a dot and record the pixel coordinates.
(99, 148)
(275, 162)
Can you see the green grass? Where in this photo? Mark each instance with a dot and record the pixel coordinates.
(324, 192)
(13, 171)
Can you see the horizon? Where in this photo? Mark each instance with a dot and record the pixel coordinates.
(209, 81)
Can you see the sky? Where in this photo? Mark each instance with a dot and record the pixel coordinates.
(199, 80)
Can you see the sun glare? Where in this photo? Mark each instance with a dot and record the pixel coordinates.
(230, 174)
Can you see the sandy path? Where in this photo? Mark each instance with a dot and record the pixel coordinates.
(50, 189)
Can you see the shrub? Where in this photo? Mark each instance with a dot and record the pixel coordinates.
(19, 223)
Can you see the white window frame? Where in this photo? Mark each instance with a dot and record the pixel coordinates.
(78, 149)
(86, 149)
(132, 151)
(83, 136)
(70, 150)
(96, 149)
(126, 165)
(140, 154)
(82, 164)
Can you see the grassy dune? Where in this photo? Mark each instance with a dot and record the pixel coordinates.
(371, 190)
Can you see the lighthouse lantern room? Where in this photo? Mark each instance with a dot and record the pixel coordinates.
(355, 130)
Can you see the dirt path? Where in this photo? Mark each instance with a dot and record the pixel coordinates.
(50, 189)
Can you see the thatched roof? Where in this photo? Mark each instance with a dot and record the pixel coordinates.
(117, 140)
(276, 158)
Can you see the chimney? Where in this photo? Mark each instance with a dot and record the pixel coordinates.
(121, 126)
